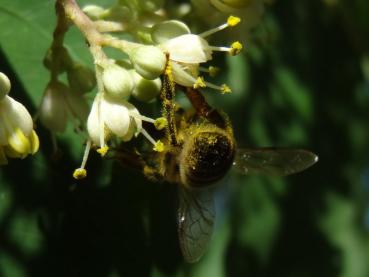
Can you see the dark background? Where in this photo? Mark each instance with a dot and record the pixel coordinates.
(305, 84)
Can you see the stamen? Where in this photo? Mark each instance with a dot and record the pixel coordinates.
(159, 146)
(81, 172)
(160, 123)
(211, 70)
(142, 117)
(231, 22)
(214, 30)
(223, 88)
(219, 48)
(200, 83)
(85, 155)
(103, 150)
(147, 136)
(236, 48)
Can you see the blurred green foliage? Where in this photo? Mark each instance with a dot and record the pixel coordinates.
(303, 81)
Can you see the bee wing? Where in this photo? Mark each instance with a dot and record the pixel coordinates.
(273, 161)
(195, 222)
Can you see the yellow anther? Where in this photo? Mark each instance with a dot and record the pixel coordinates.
(200, 83)
(160, 123)
(225, 89)
(35, 143)
(233, 20)
(236, 48)
(103, 150)
(79, 173)
(159, 146)
(213, 71)
(19, 142)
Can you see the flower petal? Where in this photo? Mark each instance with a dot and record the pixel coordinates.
(17, 115)
(182, 77)
(93, 123)
(116, 116)
(163, 31)
(188, 48)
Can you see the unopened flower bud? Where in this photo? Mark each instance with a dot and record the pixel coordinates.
(60, 57)
(166, 30)
(145, 90)
(117, 81)
(118, 13)
(4, 85)
(94, 12)
(148, 61)
(53, 113)
(81, 78)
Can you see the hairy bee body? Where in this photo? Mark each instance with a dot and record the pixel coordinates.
(204, 153)
(199, 149)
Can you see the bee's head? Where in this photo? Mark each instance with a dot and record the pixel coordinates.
(207, 155)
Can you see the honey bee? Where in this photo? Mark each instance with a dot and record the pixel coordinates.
(200, 149)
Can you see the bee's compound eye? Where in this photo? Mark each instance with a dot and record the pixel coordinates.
(207, 158)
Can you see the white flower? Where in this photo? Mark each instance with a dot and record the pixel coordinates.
(112, 117)
(17, 137)
(187, 51)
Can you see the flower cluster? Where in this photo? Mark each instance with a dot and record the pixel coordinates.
(17, 137)
(158, 46)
